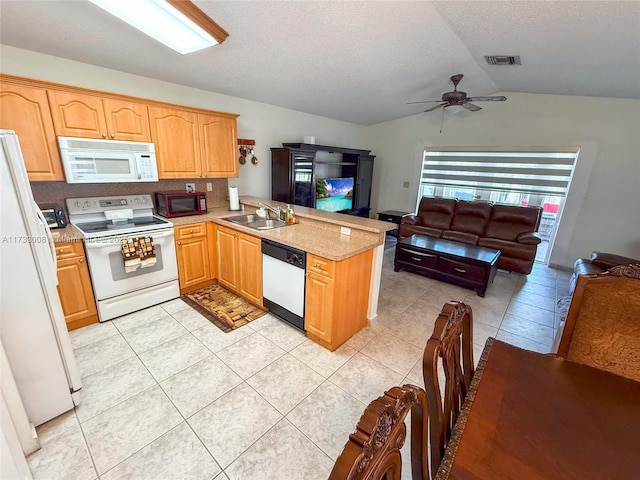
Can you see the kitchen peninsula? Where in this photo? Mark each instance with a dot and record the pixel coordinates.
(344, 264)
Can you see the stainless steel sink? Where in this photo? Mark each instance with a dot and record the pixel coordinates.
(254, 221)
(244, 219)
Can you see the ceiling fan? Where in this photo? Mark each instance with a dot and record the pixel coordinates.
(460, 99)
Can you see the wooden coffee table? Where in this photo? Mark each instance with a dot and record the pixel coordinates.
(454, 262)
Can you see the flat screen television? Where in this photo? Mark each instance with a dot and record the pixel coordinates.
(334, 194)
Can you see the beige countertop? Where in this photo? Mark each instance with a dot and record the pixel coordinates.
(317, 232)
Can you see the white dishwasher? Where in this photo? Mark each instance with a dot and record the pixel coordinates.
(283, 281)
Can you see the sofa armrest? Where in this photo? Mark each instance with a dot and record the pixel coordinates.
(609, 260)
(411, 220)
(529, 238)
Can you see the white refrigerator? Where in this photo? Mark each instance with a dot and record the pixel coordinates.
(32, 325)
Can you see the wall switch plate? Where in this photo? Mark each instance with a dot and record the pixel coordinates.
(191, 187)
(345, 231)
(405, 185)
(209, 187)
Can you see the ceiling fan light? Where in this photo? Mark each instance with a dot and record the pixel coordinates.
(169, 22)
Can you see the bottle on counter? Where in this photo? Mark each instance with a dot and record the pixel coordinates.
(290, 215)
(286, 213)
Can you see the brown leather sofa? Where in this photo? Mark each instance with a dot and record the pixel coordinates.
(508, 228)
(597, 263)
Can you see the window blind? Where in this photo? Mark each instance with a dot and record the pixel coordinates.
(533, 172)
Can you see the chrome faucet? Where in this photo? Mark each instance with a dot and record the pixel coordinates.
(277, 210)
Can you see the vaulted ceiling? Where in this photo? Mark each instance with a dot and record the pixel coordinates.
(359, 61)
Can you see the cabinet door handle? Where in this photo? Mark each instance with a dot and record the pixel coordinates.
(317, 265)
(461, 270)
(104, 135)
(113, 135)
(179, 243)
(191, 230)
(81, 260)
(416, 259)
(61, 251)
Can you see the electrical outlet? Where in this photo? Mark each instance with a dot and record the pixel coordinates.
(345, 231)
(405, 185)
(209, 187)
(191, 187)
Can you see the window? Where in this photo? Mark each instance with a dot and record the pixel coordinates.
(523, 177)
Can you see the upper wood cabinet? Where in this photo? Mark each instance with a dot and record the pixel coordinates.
(76, 115)
(193, 145)
(175, 134)
(26, 110)
(218, 146)
(190, 142)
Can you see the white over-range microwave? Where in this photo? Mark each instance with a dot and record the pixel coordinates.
(88, 160)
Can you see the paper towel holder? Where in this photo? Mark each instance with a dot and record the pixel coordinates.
(234, 202)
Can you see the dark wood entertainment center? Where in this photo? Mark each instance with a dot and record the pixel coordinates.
(295, 168)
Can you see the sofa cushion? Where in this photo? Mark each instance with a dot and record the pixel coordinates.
(471, 217)
(509, 221)
(507, 248)
(461, 237)
(436, 212)
(407, 229)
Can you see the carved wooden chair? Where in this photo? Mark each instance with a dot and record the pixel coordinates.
(451, 347)
(373, 451)
(602, 328)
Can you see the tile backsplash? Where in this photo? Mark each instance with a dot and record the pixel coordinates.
(57, 192)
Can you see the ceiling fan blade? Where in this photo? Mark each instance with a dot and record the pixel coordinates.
(498, 98)
(436, 107)
(471, 107)
(426, 101)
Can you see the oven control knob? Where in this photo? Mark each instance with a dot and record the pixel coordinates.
(145, 200)
(86, 204)
(77, 204)
(136, 200)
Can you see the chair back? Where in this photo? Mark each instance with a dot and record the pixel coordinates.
(449, 350)
(373, 450)
(602, 328)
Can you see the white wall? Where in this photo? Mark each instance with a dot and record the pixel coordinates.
(602, 211)
(269, 126)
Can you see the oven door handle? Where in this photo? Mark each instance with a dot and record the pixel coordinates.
(96, 243)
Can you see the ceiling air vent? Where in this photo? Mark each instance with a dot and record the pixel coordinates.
(503, 59)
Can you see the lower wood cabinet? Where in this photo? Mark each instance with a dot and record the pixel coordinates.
(240, 263)
(337, 298)
(74, 285)
(192, 251)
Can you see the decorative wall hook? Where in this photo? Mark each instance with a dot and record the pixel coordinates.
(246, 148)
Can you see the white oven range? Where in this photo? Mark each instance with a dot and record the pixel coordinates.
(104, 222)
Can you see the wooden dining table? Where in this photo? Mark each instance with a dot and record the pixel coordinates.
(531, 416)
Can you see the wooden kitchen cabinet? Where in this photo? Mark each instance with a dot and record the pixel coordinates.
(336, 299)
(218, 146)
(89, 116)
(74, 285)
(240, 263)
(192, 251)
(250, 268)
(193, 145)
(25, 109)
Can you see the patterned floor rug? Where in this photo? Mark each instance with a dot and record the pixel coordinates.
(224, 309)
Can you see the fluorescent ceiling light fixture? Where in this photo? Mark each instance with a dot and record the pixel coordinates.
(179, 24)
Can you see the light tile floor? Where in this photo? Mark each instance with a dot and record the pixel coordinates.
(168, 395)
